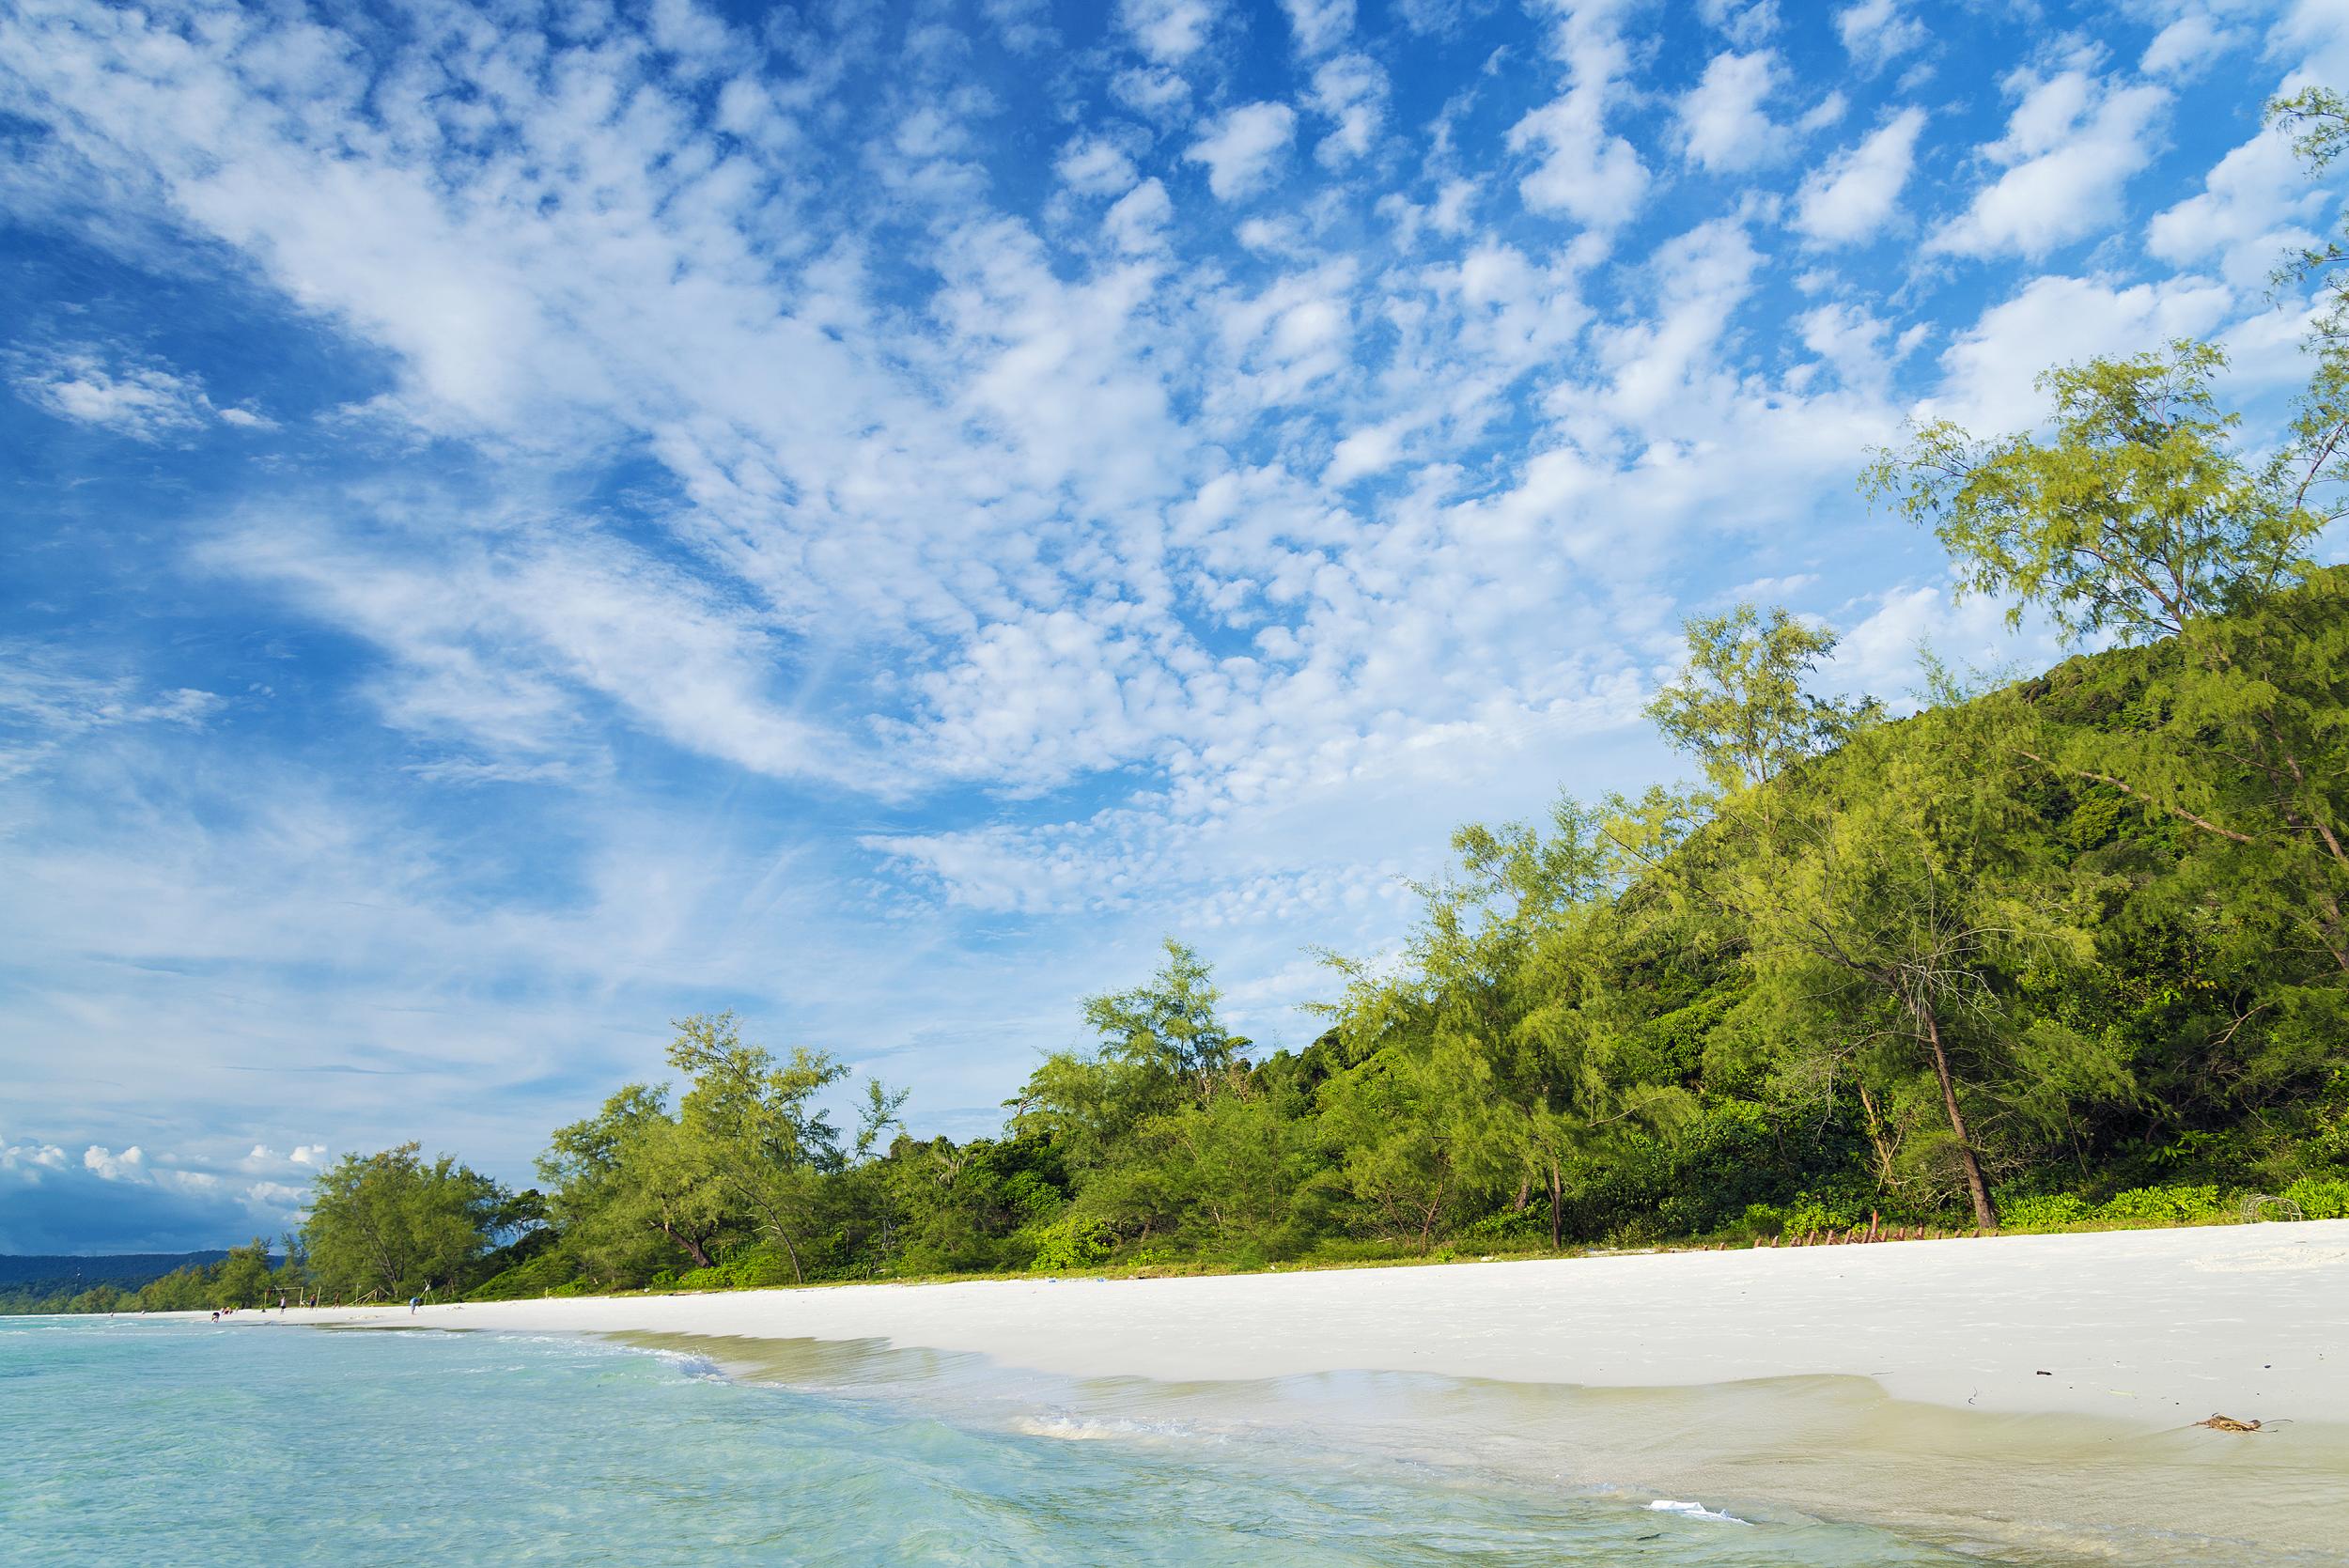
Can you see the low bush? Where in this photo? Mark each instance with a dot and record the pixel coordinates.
(2164, 1205)
(2042, 1211)
(2320, 1197)
(1070, 1242)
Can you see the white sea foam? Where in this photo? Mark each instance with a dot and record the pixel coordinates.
(1694, 1510)
(1093, 1429)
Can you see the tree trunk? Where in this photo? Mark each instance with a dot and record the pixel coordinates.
(799, 1275)
(1986, 1212)
(1876, 1138)
(1557, 1210)
(692, 1248)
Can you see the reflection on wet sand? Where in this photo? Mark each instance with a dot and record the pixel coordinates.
(2025, 1489)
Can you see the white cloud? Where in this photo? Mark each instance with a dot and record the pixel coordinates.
(1591, 176)
(1857, 192)
(1745, 23)
(1585, 171)
(1988, 373)
(1877, 32)
(139, 398)
(1851, 339)
(2188, 46)
(1722, 125)
(1881, 653)
(2255, 204)
(1829, 110)
(31, 1159)
(1319, 26)
(495, 641)
(1096, 166)
(47, 707)
(1244, 149)
(129, 1165)
(1351, 91)
(1168, 31)
(2073, 141)
(1137, 221)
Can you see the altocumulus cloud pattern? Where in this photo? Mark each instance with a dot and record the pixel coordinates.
(529, 519)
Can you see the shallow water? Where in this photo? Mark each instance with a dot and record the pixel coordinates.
(180, 1443)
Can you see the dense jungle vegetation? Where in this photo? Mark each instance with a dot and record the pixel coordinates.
(2063, 949)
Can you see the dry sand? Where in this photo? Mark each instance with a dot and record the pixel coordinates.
(2154, 1325)
(2028, 1393)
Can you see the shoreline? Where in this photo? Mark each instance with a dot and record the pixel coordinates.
(2161, 1327)
(2024, 1398)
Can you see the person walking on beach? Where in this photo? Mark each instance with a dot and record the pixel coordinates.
(412, 1305)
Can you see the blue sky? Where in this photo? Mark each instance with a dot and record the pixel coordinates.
(526, 521)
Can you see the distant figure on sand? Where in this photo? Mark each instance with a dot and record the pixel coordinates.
(412, 1305)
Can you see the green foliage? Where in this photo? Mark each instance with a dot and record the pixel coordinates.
(1739, 704)
(390, 1225)
(2165, 1205)
(546, 1274)
(2319, 1198)
(2044, 1211)
(1069, 1243)
(2137, 517)
(749, 1128)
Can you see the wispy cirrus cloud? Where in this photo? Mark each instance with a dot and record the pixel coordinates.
(123, 393)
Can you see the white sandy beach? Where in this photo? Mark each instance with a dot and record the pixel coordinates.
(2028, 1392)
(2154, 1325)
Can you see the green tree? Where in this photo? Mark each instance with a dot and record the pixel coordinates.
(753, 1124)
(244, 1277)
(1739, 704)
(2138, 519)
(393, 1224)
(632, 1189)
(1169, 1027)
(1500, 1035)
(1890, 914)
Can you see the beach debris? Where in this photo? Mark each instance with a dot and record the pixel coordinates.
(2228, 1423)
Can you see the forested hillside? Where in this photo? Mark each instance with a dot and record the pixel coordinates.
(130, 1281)
(2065, 950)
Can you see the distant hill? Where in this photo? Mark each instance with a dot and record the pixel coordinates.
(48, 1276)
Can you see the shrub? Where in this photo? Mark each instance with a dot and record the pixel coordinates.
(2320, 1197)
(1071, 1242)
(548, 1273)
(2041, 1211)
(2163, 1205)
(759, 1267)
(1828, 1210)
(1512, 1226)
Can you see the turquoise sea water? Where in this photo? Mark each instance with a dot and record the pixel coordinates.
(171, 1442)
